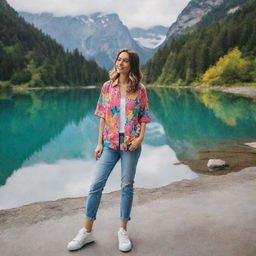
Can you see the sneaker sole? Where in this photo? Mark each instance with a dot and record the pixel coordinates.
(89, 242)
(125, 251)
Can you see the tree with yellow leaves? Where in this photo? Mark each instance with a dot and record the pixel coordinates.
(231, 68)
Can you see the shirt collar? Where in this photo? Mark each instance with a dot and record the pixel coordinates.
(115, 83)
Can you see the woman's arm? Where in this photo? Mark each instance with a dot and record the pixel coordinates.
(99, 147)
(138, 140)
(142, 131)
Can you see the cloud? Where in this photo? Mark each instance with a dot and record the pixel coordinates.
(133, 13)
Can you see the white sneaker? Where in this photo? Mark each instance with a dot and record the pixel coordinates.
(125, 244)
(83, 237)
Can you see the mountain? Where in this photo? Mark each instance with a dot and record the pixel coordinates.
(149, 38)
(184, 58)
(201, 11)
(97, 36)
(221, 11)
(190, 15)
(31, 58)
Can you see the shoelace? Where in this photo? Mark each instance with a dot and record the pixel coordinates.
(124, 237)
(77, 238)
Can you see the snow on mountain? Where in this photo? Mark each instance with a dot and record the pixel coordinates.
(97, 36)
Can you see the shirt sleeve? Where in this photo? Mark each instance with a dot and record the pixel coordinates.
(100, 108)
(144, 115)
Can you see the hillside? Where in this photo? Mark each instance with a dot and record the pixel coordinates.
(186, 57)
(31, 58)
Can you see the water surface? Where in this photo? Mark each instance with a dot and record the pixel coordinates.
(47, 139)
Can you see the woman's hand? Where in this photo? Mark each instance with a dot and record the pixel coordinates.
(135, 143)
(98, 151)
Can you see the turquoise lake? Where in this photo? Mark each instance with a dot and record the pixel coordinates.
(47, 139)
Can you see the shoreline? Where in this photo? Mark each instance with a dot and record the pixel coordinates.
(193, 217)
(33, 213)
(248, 91)
(52, 88)
(239, 90)
(237, 155)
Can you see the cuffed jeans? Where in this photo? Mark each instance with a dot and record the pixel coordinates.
(105, 165)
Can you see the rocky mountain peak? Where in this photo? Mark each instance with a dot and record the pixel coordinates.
(191, 15)
(97, 36)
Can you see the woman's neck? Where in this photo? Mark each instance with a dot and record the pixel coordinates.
(123, 79)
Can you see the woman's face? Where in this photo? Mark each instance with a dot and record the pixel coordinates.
(123, 64)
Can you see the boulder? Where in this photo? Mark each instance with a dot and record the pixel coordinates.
(216, 164)
(251, 144)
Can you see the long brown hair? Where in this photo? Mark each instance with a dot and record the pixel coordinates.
(135, 74)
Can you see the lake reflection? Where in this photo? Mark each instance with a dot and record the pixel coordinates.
(47, 139)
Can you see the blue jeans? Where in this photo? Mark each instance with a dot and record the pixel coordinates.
(105, 165)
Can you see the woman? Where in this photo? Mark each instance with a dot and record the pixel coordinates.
(123, 111)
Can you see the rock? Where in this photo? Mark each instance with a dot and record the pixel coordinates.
(191, 15)
(216, 164)
(251, 144)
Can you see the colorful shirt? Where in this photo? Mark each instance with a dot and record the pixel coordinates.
(136, 109)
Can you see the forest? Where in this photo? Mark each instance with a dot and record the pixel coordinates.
(29, 58)
(188, 59)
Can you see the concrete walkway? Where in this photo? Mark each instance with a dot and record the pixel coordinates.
(207, 216)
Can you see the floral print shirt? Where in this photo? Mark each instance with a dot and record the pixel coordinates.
(108, 107)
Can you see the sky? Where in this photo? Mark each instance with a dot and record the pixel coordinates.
(133, 13)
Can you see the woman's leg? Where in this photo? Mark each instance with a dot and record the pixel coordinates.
(104, 167)
(129, 160)
(123, 224)
(88, 225)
